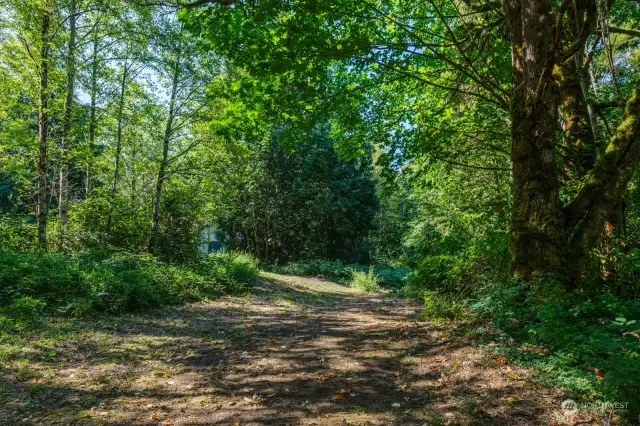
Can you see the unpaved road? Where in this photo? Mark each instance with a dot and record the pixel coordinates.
(298, 351)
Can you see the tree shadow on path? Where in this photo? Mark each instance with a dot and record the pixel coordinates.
(298, 351)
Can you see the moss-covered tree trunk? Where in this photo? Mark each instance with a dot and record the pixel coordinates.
(600, 198)
(536, 237)
(578, 150)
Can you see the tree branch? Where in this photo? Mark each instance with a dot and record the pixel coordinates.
(608, 104)
(626, 31)
(559, 18)
(609, 179)
(590, 24)
(198, 3)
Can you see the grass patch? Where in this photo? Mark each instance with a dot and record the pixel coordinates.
(332, 270)
(388, 277)
(439, 307)
(364, 281)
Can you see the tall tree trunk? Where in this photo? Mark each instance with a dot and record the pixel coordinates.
(43, 128)
(580, 136)
(536, 236)
(116, 171)
(600, 198)
(134, 179)
(93, 93)
(579, 148)
(66, 127)
(165, 158)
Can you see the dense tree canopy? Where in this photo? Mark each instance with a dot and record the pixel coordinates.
(484, 118)
(459, 82)
(303, 204)
(134, 127)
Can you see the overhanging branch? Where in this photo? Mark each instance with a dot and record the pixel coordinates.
(625, 31)
(198, 3)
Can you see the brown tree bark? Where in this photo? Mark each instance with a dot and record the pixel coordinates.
(536, 237)
(599, 199)
(63, 198)
(578, 150)
(120, 118)
(546, 238)
(168, 131)
(43, 128)
(579, 147)
(93, 93)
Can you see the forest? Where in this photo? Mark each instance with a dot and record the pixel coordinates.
(305, 212)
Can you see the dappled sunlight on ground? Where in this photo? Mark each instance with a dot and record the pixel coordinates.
(297, 351)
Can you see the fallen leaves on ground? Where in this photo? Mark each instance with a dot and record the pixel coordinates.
(339, 395)
(502, 360)
(513, 376)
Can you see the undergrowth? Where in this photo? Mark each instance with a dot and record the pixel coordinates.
(586, 344)
(585, 341)
(33, 285)
(441, 307)
(388, 277)
(364, 281)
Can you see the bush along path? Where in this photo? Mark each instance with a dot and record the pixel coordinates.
(298, 351)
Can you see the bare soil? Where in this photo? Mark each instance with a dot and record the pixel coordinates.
(298, 351)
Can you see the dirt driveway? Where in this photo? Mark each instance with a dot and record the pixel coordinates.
(298, 351)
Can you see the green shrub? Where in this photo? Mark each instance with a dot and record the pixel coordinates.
(87, 223)
(393, 278)
(31, 284)
(364, 281)
(387, 276)
(585, 343)
(234, 271)
(78, 307)
(49, 277)
(27, 306)
(18, 234)
(465, 271)
(6, 324)
(129, 282)
(617, 270)
(439, 307)
(431, 275)
(240, 267)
